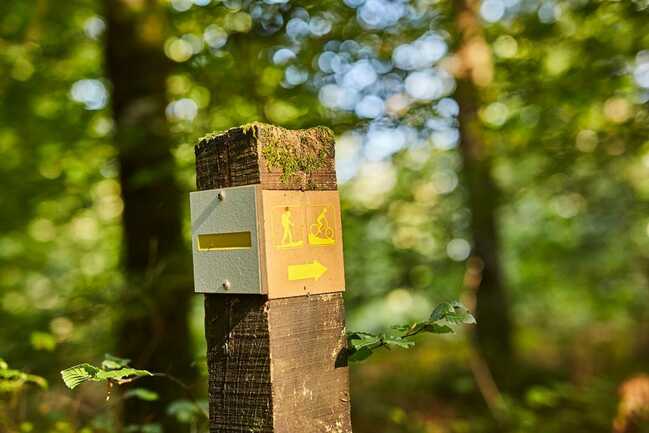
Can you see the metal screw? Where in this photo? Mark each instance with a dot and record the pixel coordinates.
(221, 195)
(226, 285)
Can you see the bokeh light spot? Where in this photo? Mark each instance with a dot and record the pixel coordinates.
(182, 109)
(492, 10)
(181, 5)
(458, 250)
(178, 50)
(92, 93)
(586, 140)
(506, 47)
(617, 110)
(283, 56)
(295, 76)
(495, 114)
(641, 70)
(215, 37)
(424, 85)
(370, 107)
(94, 27)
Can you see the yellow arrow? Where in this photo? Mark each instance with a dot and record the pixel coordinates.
(306, 271)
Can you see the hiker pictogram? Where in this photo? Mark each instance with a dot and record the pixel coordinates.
(288, 230)
(321, 232)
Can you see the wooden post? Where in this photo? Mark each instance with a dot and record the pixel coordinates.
(276, 364)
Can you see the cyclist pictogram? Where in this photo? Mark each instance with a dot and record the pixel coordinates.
(321, 232)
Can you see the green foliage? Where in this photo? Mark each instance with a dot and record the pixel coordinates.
(43, 341)
(113, 371)
(111, 362)
(12, 380)
(144, 428)
(142, 394)
(188, 412)
(441, 321)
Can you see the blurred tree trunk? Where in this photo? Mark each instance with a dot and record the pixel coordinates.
(153, 315)
(473, 69)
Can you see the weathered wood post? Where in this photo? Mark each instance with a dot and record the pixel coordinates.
(267, 246)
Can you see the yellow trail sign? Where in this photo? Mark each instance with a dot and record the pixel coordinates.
(301, 240)
(306, 271)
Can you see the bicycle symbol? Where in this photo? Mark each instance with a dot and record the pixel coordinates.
(321, 232)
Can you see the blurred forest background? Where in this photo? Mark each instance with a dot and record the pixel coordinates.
(492, 151)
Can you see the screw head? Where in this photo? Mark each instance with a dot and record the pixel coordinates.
(226, 285)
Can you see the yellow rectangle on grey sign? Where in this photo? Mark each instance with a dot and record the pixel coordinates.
(224, 241)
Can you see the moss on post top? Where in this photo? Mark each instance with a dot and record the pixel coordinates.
(275, 157)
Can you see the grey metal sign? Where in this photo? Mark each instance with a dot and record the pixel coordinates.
(225, 241)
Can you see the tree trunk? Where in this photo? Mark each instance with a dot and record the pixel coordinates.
(153, 315)
(493, 335)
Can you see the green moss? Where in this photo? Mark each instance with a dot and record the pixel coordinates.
(292, 152)
(210, 136)
(296, 159)
(251, 128)
(247, 128)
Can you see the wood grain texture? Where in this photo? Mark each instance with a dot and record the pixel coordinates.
(238, 346)
(310, 380)
(274, 365)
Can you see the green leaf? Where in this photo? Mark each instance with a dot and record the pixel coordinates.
(13, 380)
(43, 341)
(360, 335)
(36, 380)
(394, 342)
(3, 364)
(114, 363)
(358, 340)
(143, 428)
(440, 312)
(78, 374)
(454, 312)
(184, 411)
(434, 328)
(123, 375)
(142, 394)
(403, 328)
(460, 315)
(75, 376)
(359, 355)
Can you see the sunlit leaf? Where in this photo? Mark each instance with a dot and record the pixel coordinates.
(122, 375)
(78, 374)
(75, 376)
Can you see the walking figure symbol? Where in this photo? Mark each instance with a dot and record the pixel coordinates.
(321, 233)
(287, 226)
